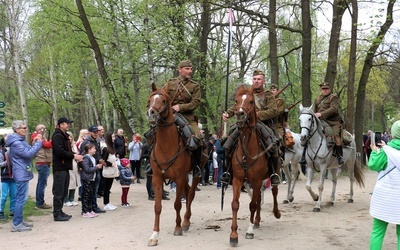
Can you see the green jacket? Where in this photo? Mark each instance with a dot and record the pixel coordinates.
(329, 107)
(378, 160)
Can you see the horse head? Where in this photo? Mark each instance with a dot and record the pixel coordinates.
(245, 107)
(308, 124)
(158, 107)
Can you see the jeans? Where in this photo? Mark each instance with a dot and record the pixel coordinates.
(8, 188)
(21, 198)
(60, 190)
(43, 174)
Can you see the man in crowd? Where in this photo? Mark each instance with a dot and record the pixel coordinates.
(120, 144)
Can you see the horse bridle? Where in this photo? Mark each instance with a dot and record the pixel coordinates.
(243, 119)
(160, 120)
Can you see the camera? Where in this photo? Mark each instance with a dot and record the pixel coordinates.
(376, 138)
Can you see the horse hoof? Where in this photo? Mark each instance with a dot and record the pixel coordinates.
(277, 215)
(350, 201)
(178, 233)
(234, 242)
(152, 243)
(185, 227)
(317, 209)
(249, 236)
(331, 204)
(316, 198)
(291, 199)
(256, 225)
(285, 202)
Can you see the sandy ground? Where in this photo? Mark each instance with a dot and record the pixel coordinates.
(342, 226)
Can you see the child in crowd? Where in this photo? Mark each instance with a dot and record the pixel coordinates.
(126, 178)
(88, 175)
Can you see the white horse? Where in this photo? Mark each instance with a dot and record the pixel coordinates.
(319, 157)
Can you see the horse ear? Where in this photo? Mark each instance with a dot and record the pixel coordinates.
(301, 107)
(153, 87)
(312, 107)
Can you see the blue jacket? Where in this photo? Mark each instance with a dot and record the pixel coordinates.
(125, 176)
(88, 169)
(21, 154)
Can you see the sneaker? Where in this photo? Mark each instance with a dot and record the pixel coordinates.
(172, 190)
(20, 228)
(2, 217)
(74, 203)
(109, 207)
(60, 217)
(44, 206)
(98, 211)
(124, 205)
(87, 215)
(68, 204)
(284, 182)
(11, 214)
(183, 200)
(27, 224)
(93, 214)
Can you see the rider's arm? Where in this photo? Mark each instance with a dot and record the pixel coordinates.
(271, 110)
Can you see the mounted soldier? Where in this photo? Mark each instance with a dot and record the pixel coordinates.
(266, 113)
(327, 109)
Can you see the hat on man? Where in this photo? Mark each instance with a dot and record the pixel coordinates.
(93, 129)
(325, 85)
(185, 63)
(258, 72)
(274, 86)
(64, 119)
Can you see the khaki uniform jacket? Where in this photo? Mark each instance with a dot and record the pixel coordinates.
(265, 105)
(185, 93)
(329, 107)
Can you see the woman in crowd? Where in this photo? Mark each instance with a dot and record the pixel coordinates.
(108, 155)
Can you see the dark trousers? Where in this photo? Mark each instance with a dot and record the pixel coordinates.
(60, 190)
(149, 186)
(87, 193)
(107, 184)
(135, 166)
(96, 187)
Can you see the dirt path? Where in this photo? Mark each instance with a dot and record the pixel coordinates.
(343, 226)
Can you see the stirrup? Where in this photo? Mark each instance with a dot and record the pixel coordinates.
(275, 180)
(196, 171)
(225, 178)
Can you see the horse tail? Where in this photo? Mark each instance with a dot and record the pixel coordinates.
(359, 173)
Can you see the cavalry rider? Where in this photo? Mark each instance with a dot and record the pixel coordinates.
(185, 97)
(266, 112)
(279, 123)
(327, 108)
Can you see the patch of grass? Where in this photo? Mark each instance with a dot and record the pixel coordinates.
(29, 210)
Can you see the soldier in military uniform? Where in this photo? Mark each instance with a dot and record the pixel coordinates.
(266, 112)
(185, 96)
(279, 123)
(327, 108)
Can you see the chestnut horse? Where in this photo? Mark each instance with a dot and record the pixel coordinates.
(249, 164)
(169, 159)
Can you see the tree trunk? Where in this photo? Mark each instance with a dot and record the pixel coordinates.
(273, 43)
(368, 63)
(306, 52)
(101, 68)
(352, 68)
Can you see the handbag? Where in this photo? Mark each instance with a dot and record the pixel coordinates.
(111, 171)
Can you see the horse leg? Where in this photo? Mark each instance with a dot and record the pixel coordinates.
(189, 200)
(310, 176)
(254, 207)
(236, 186)
(334, 172)
(275, 210)
(181, 185)
(157, 186)
(289, 183)
(291, 186)
(351, 168)
(317, 207)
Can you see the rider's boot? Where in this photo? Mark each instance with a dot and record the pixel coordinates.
(274, 177)
(225, 177)
(196, 161)
(339, 154)
(303, 161)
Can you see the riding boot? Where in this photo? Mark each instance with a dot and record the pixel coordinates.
(303, 161)
(274, 177)
(339, 154)
(196, 161)
(225, 177)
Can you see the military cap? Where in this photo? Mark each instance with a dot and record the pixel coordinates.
(258, 72)
(185, 63)
(274, 86)
(325, 85)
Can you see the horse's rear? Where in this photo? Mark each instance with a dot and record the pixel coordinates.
(249, 163)
(169, 159)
